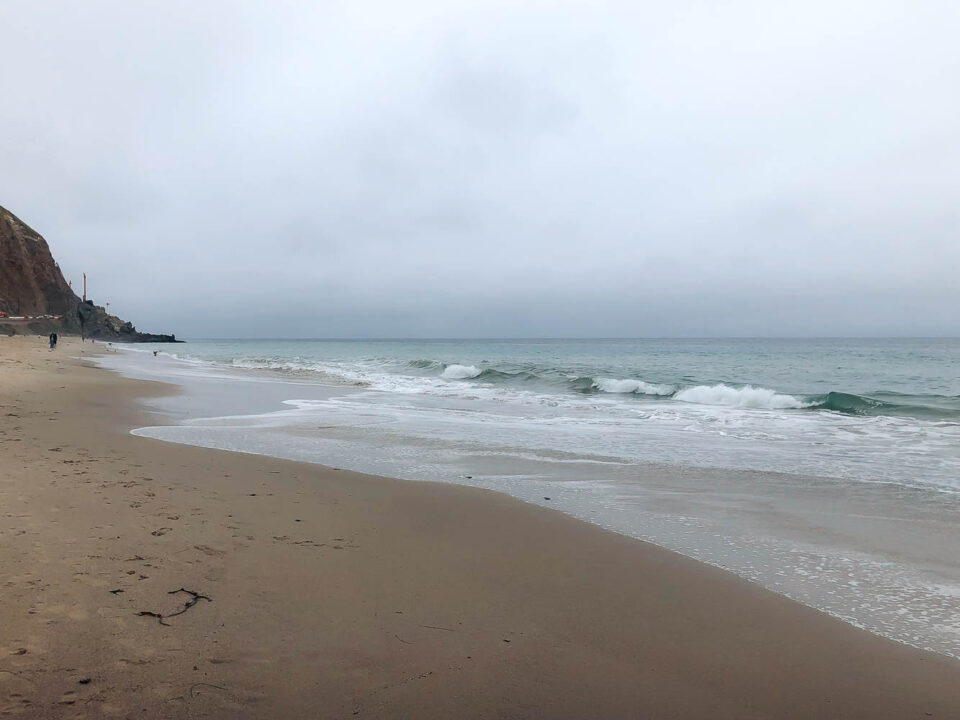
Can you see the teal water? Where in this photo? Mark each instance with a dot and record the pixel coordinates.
(913, 377)
(875, 410)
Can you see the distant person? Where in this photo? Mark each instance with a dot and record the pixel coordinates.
(155, 353)
(53, 340)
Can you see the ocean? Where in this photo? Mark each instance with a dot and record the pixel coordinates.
(825, 469)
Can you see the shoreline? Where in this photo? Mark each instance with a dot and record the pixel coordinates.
(859, 549)
(336, 594)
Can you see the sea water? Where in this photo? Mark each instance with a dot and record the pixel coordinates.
(827, 470)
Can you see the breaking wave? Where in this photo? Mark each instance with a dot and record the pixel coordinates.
(637, 387)
(460, 372)
(744, 397)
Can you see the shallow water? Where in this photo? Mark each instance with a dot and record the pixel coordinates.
(733, 452)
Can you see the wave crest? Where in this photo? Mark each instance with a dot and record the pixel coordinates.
(636, 387)
(744, 397)
(460, 372)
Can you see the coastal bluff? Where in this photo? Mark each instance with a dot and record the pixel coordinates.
(35, 299)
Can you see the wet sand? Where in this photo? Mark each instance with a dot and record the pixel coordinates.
(328, 594)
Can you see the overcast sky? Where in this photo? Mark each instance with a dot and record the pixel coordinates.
(423, 169)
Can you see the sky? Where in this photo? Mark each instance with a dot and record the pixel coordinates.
(493, 169)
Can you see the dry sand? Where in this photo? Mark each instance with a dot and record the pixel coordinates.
(338, 595)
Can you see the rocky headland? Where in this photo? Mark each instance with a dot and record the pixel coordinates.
(35, 299)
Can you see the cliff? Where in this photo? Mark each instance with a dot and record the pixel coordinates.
(31, 283)
(37, 298)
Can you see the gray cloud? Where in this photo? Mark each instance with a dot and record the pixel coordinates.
(483, 169)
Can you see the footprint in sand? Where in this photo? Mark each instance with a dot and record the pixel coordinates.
(18, 704)
(160, 532)
(212, 552)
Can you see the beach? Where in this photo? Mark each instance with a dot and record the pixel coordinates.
(307, 591)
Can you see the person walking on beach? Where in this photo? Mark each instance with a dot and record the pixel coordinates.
(53, 340)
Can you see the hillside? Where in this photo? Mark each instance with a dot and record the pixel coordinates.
(37, 298)
(30, 280)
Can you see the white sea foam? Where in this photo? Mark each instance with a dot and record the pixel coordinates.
(638, 387)
(745, 397)
(460, 372)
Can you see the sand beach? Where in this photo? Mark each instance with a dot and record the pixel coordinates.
(146, 579)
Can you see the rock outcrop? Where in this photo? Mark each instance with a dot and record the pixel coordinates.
(94, 322)
(31, 283)
(37, 298)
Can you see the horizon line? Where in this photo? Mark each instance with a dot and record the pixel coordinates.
(574, 338)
